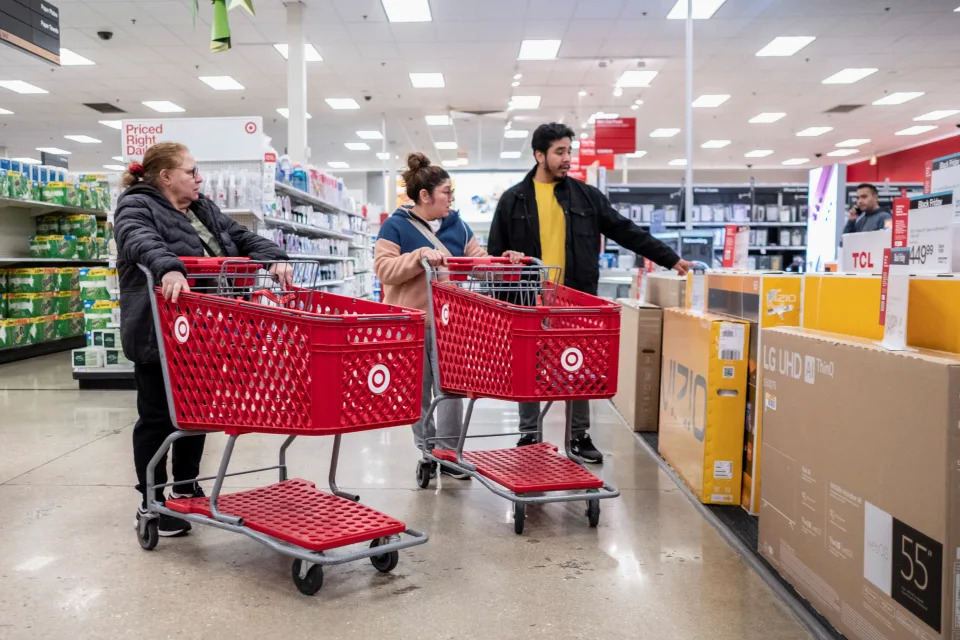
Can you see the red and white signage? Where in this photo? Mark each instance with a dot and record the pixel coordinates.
(616, 135)
(736, 247)
(863, 252)
(901, 228)
(589, 155)
(209, 139)
(576, 171)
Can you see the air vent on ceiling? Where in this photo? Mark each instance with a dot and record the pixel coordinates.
(103, 107)
(844, 108)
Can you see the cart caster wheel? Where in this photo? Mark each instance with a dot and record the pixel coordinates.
(384, 563)
(593, 512)
(423, 474)
(519, 515)
(312, 582)
(148, 535)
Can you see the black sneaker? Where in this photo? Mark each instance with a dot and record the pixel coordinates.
(453, 473)
(188, 491)
(167, 526)
(582, 446)
(528, 439)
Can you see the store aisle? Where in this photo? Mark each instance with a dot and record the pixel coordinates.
(70, 565)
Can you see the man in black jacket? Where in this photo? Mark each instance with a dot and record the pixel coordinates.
(560, 220)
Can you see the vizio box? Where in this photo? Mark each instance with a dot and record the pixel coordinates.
(861, 482)
(703, 389)
(638, 378)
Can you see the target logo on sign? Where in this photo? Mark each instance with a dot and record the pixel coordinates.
(445, 314)
(250, 127)
(571, 359)
(181, 329)
(378, 379)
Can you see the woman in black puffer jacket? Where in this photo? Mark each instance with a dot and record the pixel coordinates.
(160, 216)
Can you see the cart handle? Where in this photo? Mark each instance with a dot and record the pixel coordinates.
(486, 260)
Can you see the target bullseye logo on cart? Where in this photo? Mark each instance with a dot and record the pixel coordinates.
(445, 314)
(571, 359)
(181, 329)
(378, 379)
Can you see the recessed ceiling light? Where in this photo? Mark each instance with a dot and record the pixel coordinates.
(582, 93)
(115, 167)
(383, 155)
(678, 162)
(850, 75)
(370, 135)
(792, 162)
(702, 9)
(117, 158)
(445, 146)
(853, 142)
(524, 102)
(633, 79)
(767, 117)
(634, 107)
(516, 133)
(937, 115)
(539, 49)
(517, 76)
(427, 80)
(715, 144)
(70, 59)
(617, 92)
(708, 101)
(338, 165)
(54, 150)
(664, 133)
(407, 10)
(221, 83)
(915, 130)
(637, 154)
(840, 153)
(898, 98)
(19, 86)
(6, 112)
(812, 132)
(514, 84)
(163, 106)
(638, 102)
(584, 135)
(113, 124)
(27, 160)
(438, 121)
(758, 153)
(510, 155)
(286, 112)
(83, 139)
(310, 52)
(357, 146)
(342, 103)
(785, 45)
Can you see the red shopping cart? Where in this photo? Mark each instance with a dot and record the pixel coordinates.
(507, 331)
(241, 356)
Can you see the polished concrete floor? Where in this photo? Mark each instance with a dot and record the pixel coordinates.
(70, 565)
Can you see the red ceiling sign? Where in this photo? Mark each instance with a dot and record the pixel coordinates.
(616, 135)
(589, 155)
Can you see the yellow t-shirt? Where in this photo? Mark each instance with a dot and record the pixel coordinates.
(553, 228)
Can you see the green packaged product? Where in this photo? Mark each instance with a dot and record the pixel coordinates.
(72, 195)
(40, 246)
(81, 226)
(19, 185)
(68, 279)
(88, 357)
(68, 325)
(101, 250)
(3, 280)
(32, 280)
(66, 302)
(48, 225)
(16, 333)
(3, 306)
(31, 305)
(98, 314)
(115, 358)
(55, 192)
(83, 196)
(109, 338)
(36, 191)
(4, 183)
(86, 249)
(64, 247)
(44, 328)
(97, 283)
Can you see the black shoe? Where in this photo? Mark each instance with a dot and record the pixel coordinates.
(582, 446)
(453, 473)
(187, 491)
(528, 439)
(167, 526)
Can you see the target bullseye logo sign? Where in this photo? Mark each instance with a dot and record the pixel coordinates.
(571, 359)
(250, 127)
(181, 329)
(445, 314)
(378, 379)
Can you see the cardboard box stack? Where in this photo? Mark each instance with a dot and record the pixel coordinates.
(638, 379)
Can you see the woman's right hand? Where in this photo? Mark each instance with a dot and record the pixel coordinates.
(174, 283)
(432, 256)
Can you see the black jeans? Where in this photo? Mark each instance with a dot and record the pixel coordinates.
(530, 412)
(152, 429)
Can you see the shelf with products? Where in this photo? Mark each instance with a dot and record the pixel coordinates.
(13, 354)
(307, 198)
(13, 260)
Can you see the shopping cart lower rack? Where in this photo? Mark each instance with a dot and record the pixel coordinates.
(240, 356)
(505, 331)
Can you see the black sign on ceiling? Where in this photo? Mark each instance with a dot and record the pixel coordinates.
(32, 26)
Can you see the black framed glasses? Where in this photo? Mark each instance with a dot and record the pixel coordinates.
(193, 172)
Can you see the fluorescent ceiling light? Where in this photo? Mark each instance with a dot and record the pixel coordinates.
(27, 160)
(338, 165)
(6, 112)
(438, 121)
(600, 115)
(634, 79)
(113, 124)
(767, 117)
(840, 153)
(785, 46)
(221, 83)
(792, 162)
(850, 75)
(463, 161)
(407, 10)
(812, 132)
(510, 155)
(898, 98)
(309, 52)
(70, 59)
(937, 115)
(915, 130)
(702, 9)
(514, 84)
(19, 86)
(707, 101)
(286, 113)
(678, 162)
(451, 164)
(516, 133)
(54, 150)
(342, 103)
(664, 133)
(83, 139)
(383, 155)
(617, 92)
(115, 167)
(445, 146)
(163, 106)
(582, 93)
(517, 76)
(715, 144)
(636, 154)
(427, 80)
(758, 153)
(370, 135)
(524, 102)
(357, 146)
(117, 158)
(539, 49)
(853, 142)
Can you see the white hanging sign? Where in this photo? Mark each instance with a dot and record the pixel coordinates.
(209, 139)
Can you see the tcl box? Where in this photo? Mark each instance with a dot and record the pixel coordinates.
(863, 252)
(943, 174)
(702, 396)
(763, 300)
(638, 378)
(666, 289)
(861, 482)
(933, 230)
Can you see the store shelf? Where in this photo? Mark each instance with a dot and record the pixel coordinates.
(17, 260)
(12, 354)
(310, 256)
(37, 208)
(298, 227)
(306, 198)
(104, 378)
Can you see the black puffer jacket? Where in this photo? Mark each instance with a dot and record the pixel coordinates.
(150, 231)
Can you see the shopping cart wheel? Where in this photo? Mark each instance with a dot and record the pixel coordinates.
(593, 512)
(384, 563)
(519, 514)
(423, 474)
(148, 534)
(310, 583)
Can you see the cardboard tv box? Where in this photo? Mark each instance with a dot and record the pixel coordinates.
(764, 300)
(638, 378)
(666, 289)
(861, 482)
(702, 398)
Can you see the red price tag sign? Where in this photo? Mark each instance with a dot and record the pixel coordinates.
(901, 209)
(589, 155)
(616, 135)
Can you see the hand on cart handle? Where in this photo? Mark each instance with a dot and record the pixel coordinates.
(174, 283)
(515, 257)
(509, 257)
(282, 272)
(433, 257)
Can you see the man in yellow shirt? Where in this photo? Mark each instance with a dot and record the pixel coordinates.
(560, 220)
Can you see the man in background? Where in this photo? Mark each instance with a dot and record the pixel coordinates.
(867, 214)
